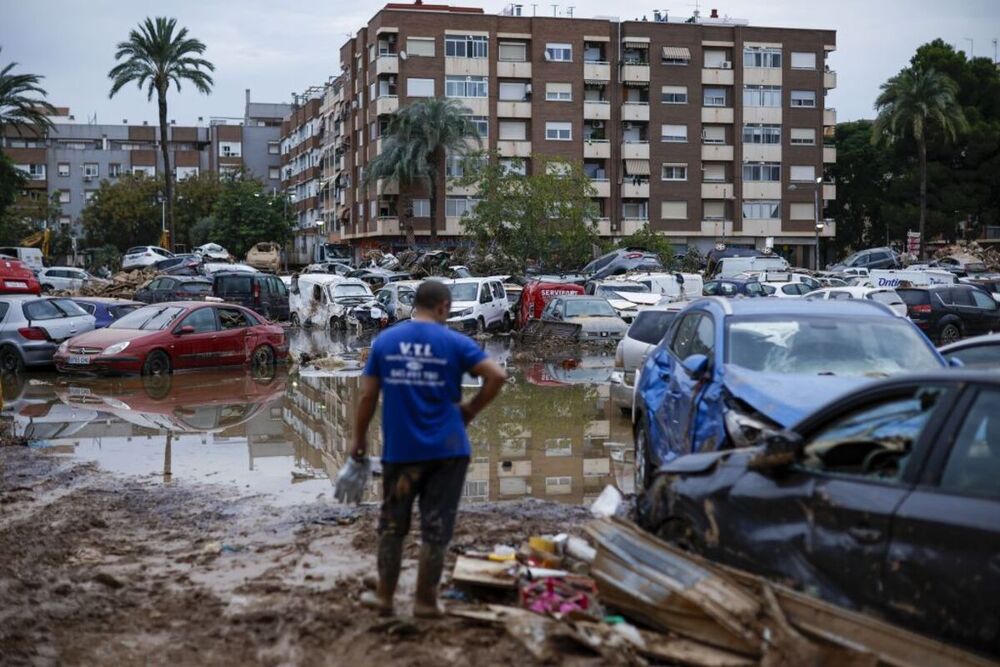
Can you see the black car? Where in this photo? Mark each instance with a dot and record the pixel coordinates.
(980, 352)
(731, 287)
(621, 261)
(887, 500)
(179, 265)
(260, 292)
(872, 258)
(948, 312)
(174, 288)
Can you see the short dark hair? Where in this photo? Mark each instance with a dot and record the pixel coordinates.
(431, 294)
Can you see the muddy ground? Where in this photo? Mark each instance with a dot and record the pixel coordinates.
(100, 569)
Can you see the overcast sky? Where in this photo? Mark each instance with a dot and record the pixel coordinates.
(275, 48)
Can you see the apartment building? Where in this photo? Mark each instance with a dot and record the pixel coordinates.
(708, 129)
(302, 134)
(251, 144)
(333, 185)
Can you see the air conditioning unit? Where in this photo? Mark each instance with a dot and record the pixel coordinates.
(88, 179)
(597, 124)
(727, 64)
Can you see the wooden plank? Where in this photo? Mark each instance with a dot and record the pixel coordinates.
(478, 572)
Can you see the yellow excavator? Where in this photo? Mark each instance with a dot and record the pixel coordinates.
(40, 240)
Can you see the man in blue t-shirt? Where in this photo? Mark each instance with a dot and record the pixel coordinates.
(418, 367)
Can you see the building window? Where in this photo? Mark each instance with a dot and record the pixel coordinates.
(144, 171)
(465, 86)
(88, 195)
(714, 97)
(420, 46)
(635, 210)
(803, 60)
(717, 59)
(114, 170)
(513, 130)
(419, 87)
(64, 220)
(514, 166)
(802, 211)
(675, 134)
(466, 46)
(674, 94)
(516, 52)
(64, 196)
(273, 147)
(230, 149)
(713, 210)
(63, 169)
(482, 125)
(673, 172)
(510, 91)
(802, 173)
(559, 53)
(558, 131)
(456, 207)
(804, 98)
(762, 96)
(765, 171)
(803, 136)
(675, 55)
(421, 208)
(762, 57)
(761, 209)
(35, 172)
(713, 134)
(371, 52)
(185, 172)
(274, 173)
(762, 134)
(674, 210)
(713, 173)
(558, 92)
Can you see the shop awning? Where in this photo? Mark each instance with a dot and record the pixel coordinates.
(637, 167)
(677, 52)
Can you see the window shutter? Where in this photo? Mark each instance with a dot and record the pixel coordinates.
(673, 210)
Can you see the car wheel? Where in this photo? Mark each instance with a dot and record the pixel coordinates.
(10, 360)
(950, 333)
(294, 320)
(263, 356)
(157, 363)
(642, 466)
(47, 288)
(506, 322)
(480, 325)
(338, 324)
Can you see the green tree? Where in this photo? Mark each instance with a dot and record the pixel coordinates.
(245, 214)
(155, 56)
(547, 219)
(12, 180)
(202, 231)
(912, 104)
(862, 173)
(650, 241)
(417, 140)
(124, 213)
(196, 198)
(22, 102)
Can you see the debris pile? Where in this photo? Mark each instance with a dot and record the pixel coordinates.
(122, 285)
(971, 251)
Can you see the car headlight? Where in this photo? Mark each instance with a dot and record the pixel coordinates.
(115, 349)
(464, 313)
(746, 430)
(64, 348)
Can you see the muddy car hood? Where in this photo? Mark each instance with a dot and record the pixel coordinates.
(702, 462)
(783, 398)
(598, 323)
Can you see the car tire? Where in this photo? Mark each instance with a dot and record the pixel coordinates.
(338, 324)
(506, 323)
(949, 333)
(157, 363)
(10, 360)
(642, 467)
(480, 325)
(263, 356)
(293, 319)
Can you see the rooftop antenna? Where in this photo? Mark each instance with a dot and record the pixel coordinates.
(995, 50)
(534, 9)
(569, 11)
(697, 8)
(555, 9)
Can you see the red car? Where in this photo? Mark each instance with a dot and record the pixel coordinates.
(178, 335)
(16, 278)
(536, 295)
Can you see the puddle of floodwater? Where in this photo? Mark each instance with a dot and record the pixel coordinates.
(552, 434)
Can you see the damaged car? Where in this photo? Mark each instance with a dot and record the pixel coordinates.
(326, 300)
(886, 500)
(728, 372)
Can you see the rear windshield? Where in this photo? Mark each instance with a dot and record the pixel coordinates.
(233, 284)
(650, 325)
(914, 297)
(888, 298)
(197, 288)
(150, 318)
(132, 251)
(42, 310)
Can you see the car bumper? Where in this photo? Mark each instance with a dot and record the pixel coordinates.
(621, 391)
(463, 324)
(38, 354)
(122, 365)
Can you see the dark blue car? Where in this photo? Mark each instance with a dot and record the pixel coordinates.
(729, 371)
(104, 310)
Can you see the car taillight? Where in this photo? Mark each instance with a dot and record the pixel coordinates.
(256, 291)
(33, 333)
(923, 309)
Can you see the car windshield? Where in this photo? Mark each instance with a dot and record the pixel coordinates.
(197, 288)
(350, 290)
(588, 308)
(975, 267)
(914, 297)
(234, 284)
(828, 346)
(150, 318)
(464, 291)
(889, 298)
(650, 325)
(612, 291)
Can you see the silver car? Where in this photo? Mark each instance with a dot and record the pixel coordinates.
(597, 319)
(31, 328)
(646, 331)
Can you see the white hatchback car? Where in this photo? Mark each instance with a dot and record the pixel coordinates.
(144, 255)
(885, 295)
(211, 252)
(478, 304)
(645, 333)
(64, 278)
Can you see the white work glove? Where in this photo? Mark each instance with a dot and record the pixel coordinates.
(352, 479)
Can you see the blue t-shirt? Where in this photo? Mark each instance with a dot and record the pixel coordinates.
(419, 366)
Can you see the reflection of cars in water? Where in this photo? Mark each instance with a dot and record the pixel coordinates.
(589, 369)
(886, 499)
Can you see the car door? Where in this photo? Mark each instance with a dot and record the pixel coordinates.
(686, 390)
(195, 348)
(234, 339)
(486, 309)
(989, 311)
(961, 303)
(674, 403)
(945, 551)
(279, 299)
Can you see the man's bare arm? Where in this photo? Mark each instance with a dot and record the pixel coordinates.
(363, 415)
(493, 379)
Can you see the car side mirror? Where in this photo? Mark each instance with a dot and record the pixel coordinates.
(185, 330)
(780, 449)
(696, 365)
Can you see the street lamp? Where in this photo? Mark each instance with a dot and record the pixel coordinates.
(819, 224)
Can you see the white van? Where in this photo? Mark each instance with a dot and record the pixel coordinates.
(30, 257)
(920, 278)
(478, 304)
(671, 286)
(326, 300)
(730, 267)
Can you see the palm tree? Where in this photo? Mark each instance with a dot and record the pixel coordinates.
(156, 56)
(910, 104)
(17, 106)
(418, 138)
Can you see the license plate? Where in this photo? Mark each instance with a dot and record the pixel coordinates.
(16, 284)
(79, 359)
(79, 391)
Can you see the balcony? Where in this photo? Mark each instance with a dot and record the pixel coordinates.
(829, 79)
(635, 190)
(386, 105)
(513, 148)
(829, 192)
(387, 187)
(829, 154)
(510, 69)
(632, 225)
(829, 117)
(762, 227)
(717, 191)
(596, 148)
(604, 226)
(762, 115)
(761, 190)
(762, 152)
(596, 71)
(635, 150)
(717, 228)
(387, 64)
(467, 66)
(602, 187)
(761, 76)
(635, 111)
(717, 115)
(513, 109)
(462, 190)
(635, 73)
(717, 77)
(716, 153)
(596, 110)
